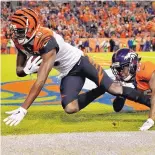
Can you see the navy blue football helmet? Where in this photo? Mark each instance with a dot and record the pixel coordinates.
(124, 57)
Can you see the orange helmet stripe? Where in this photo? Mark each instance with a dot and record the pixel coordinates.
(21, 19)
(18, 21)
(32, 14)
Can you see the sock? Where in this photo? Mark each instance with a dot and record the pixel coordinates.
(88, 97)
(136, 95)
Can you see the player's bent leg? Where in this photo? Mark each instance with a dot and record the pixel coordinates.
(69, 89)
(95, 73)
(72, 107)
(129, 93)
(72, 84)
(83, 100)
(86, 98)
(136, 95)
(115, 89)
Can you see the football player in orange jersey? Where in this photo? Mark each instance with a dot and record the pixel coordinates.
(126, 69)
(74, 67)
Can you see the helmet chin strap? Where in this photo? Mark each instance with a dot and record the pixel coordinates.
(129, 77)
(23, 41)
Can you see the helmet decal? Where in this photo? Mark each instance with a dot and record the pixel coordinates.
(130, 55)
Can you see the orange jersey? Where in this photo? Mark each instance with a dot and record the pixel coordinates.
(143, 75)
(43, 35)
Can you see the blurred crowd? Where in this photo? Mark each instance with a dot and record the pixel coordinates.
(90, 19)
(113, 44)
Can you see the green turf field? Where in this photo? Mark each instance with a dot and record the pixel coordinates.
(52, 118)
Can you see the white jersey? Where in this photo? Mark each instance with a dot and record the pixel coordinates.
(67, 56)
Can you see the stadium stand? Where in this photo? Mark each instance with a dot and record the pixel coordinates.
(123, 22)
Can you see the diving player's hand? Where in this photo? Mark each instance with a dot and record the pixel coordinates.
(147, 125)
(15, 116)
(32, 66)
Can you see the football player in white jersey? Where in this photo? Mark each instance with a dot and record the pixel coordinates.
(32, 39)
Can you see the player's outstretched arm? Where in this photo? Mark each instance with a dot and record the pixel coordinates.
(150, 121)
(20, 63)
(43, 72)
(46, 66)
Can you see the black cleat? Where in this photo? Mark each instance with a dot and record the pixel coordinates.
(118, 103)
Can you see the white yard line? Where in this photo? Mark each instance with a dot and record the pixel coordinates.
(95, 143)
